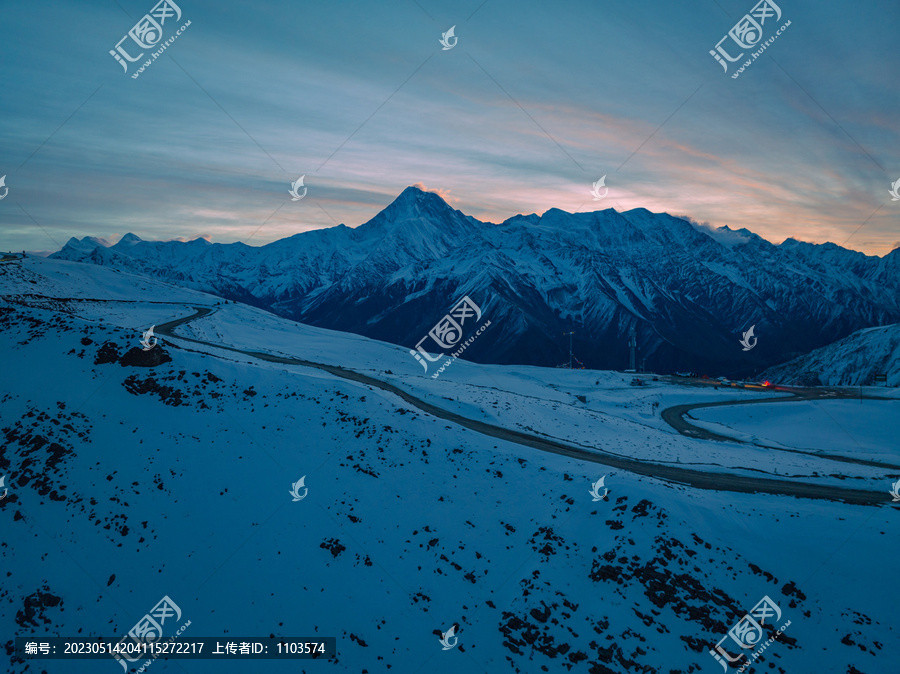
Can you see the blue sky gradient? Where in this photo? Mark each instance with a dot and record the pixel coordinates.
(534, 103)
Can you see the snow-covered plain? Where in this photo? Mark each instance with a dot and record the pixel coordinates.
(864, 429)
(128, 483)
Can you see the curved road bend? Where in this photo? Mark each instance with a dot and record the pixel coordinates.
(693, 478)
(674, 416)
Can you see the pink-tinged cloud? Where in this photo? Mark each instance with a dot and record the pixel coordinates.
(441, 192)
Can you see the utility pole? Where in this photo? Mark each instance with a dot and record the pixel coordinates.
(632, 343)
(570, 347)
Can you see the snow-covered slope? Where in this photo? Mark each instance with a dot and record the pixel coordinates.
(851, 361)
(129, 483)
(689, 293)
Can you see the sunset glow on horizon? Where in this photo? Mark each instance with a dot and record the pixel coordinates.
(530, 107)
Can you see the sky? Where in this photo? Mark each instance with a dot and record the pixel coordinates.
(534, 103)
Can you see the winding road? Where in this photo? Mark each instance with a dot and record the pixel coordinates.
(674, 416)
(694, 478)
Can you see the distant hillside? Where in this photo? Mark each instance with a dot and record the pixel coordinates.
(851, 361)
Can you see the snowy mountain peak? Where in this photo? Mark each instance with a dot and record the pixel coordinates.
(421, 220)
(129, 240)
(84, 246)
(414, 192)
(415, 201)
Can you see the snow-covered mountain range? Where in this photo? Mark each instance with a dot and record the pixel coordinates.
(851, 361)
(688, 292)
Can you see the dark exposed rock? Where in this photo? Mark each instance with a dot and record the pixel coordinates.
(169, 395)
(136, 357)
(790, 590)
(34, 606)
(107, 353)
(333, 545)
